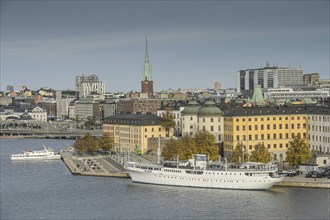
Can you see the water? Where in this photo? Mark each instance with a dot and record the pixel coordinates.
(47, 190)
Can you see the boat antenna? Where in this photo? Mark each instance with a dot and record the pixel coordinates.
(158, 151)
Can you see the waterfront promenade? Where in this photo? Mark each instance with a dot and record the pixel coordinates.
(99, 165)
(112, 166)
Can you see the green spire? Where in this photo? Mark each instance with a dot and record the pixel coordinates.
(146, 75)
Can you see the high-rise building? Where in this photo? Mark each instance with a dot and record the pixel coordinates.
(311, 79)
(63, 99)
(217, 86)
(269, 77)
(88, 84)
(147, 83)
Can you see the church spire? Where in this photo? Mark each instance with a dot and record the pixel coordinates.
(146, 75)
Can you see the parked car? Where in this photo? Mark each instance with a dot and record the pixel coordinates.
(290, 172)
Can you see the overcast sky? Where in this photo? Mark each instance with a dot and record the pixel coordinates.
(192, 44)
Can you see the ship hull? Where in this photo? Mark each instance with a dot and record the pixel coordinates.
(208, 179)
(54, 157)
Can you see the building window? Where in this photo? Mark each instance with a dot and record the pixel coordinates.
(211, 119)
(211, 128)
(262, 127)
(146, 129)
(256, 127)
(274, 126)
(237, 128)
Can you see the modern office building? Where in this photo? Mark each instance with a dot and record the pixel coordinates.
(311, 79)
(269, 77)
(88, 107)
(63, 99)
(87, 84)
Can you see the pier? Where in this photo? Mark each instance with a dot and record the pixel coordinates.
(100, 165)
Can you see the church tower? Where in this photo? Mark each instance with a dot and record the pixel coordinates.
(147, 83)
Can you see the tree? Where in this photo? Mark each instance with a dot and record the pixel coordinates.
(260, 154)
(201, 143)
(168, 122)
(171, 149)
(90, 142)
(106, 142)
(298, 152)
(79, 146)
(237, 155)
(205, 144)
(90, 122)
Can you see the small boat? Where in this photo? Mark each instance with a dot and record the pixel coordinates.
(46, 154)
(200, 173)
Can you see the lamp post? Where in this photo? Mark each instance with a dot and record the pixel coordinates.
(243, 149)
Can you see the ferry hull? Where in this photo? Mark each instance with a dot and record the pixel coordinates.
(203, 181)
(54, 157)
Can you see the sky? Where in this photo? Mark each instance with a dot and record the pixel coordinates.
(191, 44)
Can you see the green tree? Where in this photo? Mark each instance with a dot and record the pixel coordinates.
(90, 122)
(79, 146)
(260, 154)
(171, 149)
(168, 122)
(298, 152)
(206, 145)
(106, 142)
(201, 143)
(237, 155)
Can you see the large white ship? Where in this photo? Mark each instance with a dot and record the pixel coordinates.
(46, 154)
(199, 173)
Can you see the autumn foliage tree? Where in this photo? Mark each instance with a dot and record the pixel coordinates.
(106, 142)
(87, 143)
(298, 152)
(168, 122)
(260, 154)
(201, 143)
(237, 155)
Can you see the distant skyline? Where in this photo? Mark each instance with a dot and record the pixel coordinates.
(191, 44)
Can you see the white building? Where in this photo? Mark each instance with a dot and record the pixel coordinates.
(88, 107)
(319, 130)
(63, 100)
(38, 114)
(289, 93)
(175, 109)
(189, 118)
(206, 118)
(88, 84)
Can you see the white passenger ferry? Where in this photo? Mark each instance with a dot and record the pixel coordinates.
(198, 173)
(46, 154)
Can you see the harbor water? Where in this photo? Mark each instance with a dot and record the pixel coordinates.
(47, 190)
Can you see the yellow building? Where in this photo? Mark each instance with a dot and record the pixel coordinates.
(275, 127)
(133, 130)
